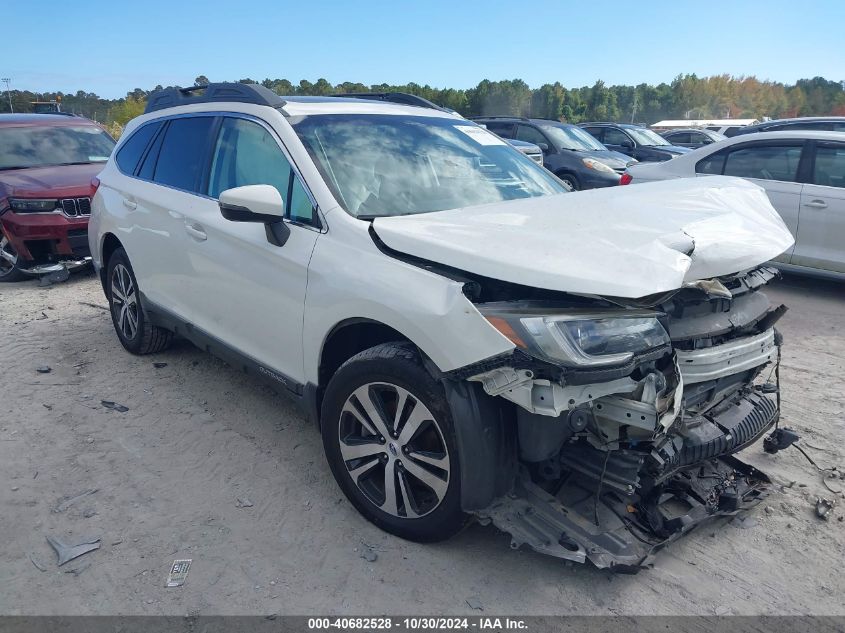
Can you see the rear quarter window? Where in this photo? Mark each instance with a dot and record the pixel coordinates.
(133, 149)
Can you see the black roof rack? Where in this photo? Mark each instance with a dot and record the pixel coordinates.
(403, 98)
(213, 93)
(501, 116)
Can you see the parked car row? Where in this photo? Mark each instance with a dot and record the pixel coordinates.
(574, 156)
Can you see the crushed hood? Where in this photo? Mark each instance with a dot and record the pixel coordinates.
(624, 242)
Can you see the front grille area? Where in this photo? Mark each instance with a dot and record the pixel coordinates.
(76, 207)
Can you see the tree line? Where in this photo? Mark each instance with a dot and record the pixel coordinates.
(687, 96)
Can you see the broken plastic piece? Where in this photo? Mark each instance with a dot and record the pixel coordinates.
(44, 369)
(780, 439)
(65, 502)
(108, 404)
(824, 507)
(66, 553)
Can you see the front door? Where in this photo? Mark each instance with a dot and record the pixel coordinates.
(821, 231)
(252, 293)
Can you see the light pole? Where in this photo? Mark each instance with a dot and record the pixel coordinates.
(6, 80)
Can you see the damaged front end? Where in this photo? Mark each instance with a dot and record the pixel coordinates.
(627, 413)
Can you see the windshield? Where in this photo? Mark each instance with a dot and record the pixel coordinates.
(567, 137)
(646, 137)
(42, 146)
(383, 165)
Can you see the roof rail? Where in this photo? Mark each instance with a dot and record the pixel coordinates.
(213, 93)
(502, 116)
(404, 98)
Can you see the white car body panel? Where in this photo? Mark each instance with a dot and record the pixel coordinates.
(601, 242)
(819, 232)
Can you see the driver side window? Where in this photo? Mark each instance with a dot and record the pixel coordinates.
(247, 154)
(531, 135)
(613, 136)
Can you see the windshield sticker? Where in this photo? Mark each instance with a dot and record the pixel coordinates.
(480, 135)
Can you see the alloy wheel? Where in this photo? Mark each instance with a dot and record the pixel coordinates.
(394, 450)
(124, 301)
(8, 256)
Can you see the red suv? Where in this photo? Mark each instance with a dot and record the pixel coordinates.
(48, 169)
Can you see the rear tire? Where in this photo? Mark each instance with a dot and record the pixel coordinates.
(9, 270)
(133, 328)
(390, 442)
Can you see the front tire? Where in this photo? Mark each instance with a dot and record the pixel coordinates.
(570, 180)
(390, 442)
(133, 328)
(9, 270)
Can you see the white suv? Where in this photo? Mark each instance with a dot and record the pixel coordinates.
(471, 339)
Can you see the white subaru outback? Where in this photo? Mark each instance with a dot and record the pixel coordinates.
(471, 339)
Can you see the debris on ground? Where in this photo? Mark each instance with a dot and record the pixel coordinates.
(78, 569)
(744, 522)
(474, 602)
(824, 507)
(65, 502)
(178, 572)
(43, 369)
(243, 502)
(66, 552)
(53, 278)
(88, 513)
(93, 305)
(159, 365)
(368, 554)
(37, 564)
(108, 404)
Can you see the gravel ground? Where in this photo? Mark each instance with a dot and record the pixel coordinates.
(199, 436)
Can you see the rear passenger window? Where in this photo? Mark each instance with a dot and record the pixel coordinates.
(679, 137)
(131, 151)
(501, 128)
(183, 150)
(595, 131)
(829, 168)
(765, 162)
(247, 154)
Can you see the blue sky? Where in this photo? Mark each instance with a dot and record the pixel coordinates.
(110, 48)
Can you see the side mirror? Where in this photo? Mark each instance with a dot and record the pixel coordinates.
(257, 203)
(628, 144)
(543, 146)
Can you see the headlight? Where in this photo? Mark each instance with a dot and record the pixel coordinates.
(592, 163)
(33, 205)
(581, 340)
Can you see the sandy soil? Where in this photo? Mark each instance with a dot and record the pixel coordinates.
(199, 435)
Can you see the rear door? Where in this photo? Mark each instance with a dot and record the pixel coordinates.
(821, 233)
(774, 165)
(248, 293)
(161, 195)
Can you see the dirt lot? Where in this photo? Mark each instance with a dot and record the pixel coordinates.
(199, 435)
